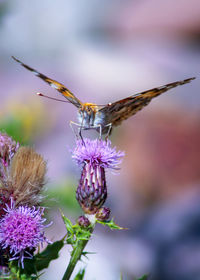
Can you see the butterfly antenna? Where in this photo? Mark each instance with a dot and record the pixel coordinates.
(56, 99)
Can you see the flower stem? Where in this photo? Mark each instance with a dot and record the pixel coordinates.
(75, 257)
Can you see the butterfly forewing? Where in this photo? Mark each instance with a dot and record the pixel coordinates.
(120, 110)
(54, 84)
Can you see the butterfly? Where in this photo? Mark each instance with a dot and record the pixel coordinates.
(103, 118)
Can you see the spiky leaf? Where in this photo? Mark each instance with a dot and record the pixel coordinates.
(42, 260)
(50, 253)
(111, 224)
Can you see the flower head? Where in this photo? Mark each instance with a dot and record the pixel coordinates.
(21, 231)
(94, 156)
(27, 176)
(97, 152)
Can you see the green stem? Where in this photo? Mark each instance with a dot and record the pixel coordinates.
(75, 257)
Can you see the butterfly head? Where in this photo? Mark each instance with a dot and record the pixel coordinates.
(90, 108)
(86, 114)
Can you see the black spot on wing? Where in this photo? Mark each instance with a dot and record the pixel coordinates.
(62, 89)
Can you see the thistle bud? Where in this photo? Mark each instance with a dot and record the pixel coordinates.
(83, 221)
(94, 156)
(92, 190)
(103, 214)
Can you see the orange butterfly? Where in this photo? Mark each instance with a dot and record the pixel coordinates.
(103, 118)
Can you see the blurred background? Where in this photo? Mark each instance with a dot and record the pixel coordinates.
(103, 51)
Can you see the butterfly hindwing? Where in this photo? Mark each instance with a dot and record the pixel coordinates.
(54, 84)
(121, 110)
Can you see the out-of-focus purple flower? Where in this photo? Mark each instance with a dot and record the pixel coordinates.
(21, 231)
(8, 147)
(94, 156)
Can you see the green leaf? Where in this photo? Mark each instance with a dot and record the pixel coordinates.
(68, 224)
(144, 277)
(80, 275)
(75, 233)
(111, 224)
(50, 253)
(42, 260)
(16, 273)
(83, 234)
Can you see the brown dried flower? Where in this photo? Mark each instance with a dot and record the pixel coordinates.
(27, 176)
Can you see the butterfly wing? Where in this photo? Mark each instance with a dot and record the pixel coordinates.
(58, 86)
(118, 111)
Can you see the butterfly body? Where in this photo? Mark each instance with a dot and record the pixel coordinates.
(102, 118)
(90, 116)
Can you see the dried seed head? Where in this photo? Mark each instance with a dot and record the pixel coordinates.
(27, 174)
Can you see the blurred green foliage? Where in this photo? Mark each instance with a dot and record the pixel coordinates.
(25, 121)
(14, 128)
(63, 195)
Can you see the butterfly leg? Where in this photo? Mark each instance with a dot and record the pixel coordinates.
(80, 128)
(80, 134)
(71, 123)
(109, 131)
(100, 131)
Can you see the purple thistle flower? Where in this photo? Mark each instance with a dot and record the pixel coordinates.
(21, 231)
(97, 152)
(94, 156)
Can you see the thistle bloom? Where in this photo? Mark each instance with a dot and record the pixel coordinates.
(21, 231)
(94, 156)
